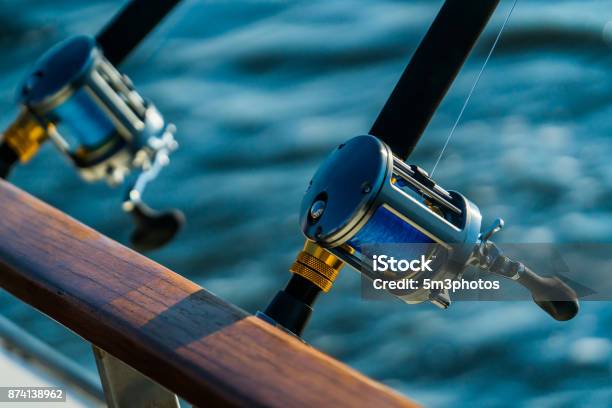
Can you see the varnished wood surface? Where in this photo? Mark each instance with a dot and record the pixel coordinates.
(195, 344)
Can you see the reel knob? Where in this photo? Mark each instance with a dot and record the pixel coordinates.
(154, 228)
(553, 295)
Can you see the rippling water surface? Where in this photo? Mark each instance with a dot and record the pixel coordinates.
(262, 90)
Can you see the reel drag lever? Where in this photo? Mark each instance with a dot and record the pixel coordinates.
(550, 293)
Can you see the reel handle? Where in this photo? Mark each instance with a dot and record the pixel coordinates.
(153, 229)
(553, 295)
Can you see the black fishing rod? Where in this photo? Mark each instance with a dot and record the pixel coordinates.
(75, 96)
(130, 26)
(364, 195)
(430, 73)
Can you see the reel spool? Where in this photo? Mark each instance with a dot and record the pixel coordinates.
(363, 197)
(74, 96)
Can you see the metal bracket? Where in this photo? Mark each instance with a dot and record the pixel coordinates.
(125, 387)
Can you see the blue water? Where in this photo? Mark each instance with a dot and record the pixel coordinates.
(262, 90)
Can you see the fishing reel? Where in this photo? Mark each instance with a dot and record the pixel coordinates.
(91, 112)
(364, 201)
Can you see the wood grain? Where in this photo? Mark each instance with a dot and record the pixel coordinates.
(172, 330)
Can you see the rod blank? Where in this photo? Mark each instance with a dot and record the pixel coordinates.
(430, 73)
(130, 26)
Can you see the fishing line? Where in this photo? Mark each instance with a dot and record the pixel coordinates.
(469, 97)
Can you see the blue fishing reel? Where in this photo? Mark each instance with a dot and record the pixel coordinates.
(364, 201)
(104, 127)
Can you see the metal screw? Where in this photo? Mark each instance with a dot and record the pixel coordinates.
(317, 209)
(366, 188)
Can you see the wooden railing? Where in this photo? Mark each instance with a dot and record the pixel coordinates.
(161, 324)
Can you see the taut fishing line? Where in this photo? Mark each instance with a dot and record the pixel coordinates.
(474, 85)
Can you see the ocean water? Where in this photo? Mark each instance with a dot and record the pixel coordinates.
(260, 92)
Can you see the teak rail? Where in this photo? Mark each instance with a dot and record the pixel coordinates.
(163, 325)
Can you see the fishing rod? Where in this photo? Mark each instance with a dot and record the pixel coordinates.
(364, 195)
(75, 96)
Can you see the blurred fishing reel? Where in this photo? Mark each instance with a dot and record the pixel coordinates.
(74, 96)
(363, 197)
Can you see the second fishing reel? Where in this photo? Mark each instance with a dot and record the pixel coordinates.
(364, 201)
(74, 96)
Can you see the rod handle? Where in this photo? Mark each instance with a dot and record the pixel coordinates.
(553, 295)
(8, 158)
(289, 312)
(153, 229)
